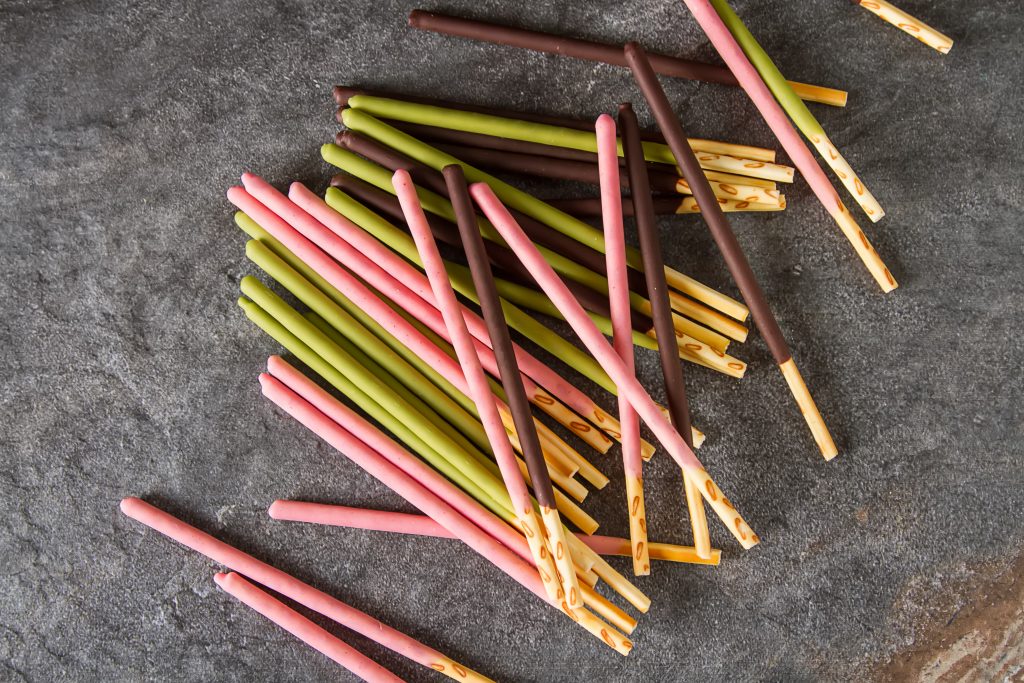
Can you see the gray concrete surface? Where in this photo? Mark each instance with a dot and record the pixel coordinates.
(128, 369)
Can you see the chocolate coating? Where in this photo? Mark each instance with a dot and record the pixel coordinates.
(712, 213)
(391, 159)
(501, 340)
(654, 271)
(588, 207)
(549, 167)
(560, 45)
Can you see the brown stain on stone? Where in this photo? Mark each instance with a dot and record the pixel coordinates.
(975, 632)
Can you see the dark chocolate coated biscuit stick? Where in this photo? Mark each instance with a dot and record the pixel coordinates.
(596, 52)
(508, 368)
(726, 240)
(657, 288)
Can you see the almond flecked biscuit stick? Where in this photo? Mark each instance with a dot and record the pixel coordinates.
(618, 295)
(671, 368)
(775, 117)
(290, 587)
(894, 15)
(481, 393)
(732, 253)
(595, 342)
(302, 628)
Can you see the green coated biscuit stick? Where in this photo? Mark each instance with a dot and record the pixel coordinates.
(797, 110)
(714, 156)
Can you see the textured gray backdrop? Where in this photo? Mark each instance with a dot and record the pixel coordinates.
(128, 369)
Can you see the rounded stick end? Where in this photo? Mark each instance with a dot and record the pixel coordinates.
(274, 511)
(342, 93)
(633, 50)
(809, 409)
(416, 18)
(130, 504)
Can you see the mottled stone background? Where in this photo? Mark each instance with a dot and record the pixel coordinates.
(128, 369)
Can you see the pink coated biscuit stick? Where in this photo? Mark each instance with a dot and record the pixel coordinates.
(479, 390)
(605, 355)
(302, 628)
(455, 321)
(296, 590)
(776, 119)
(532, 367)
(419, 525)
(442, 513)
(355, 518)
(618, 294)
